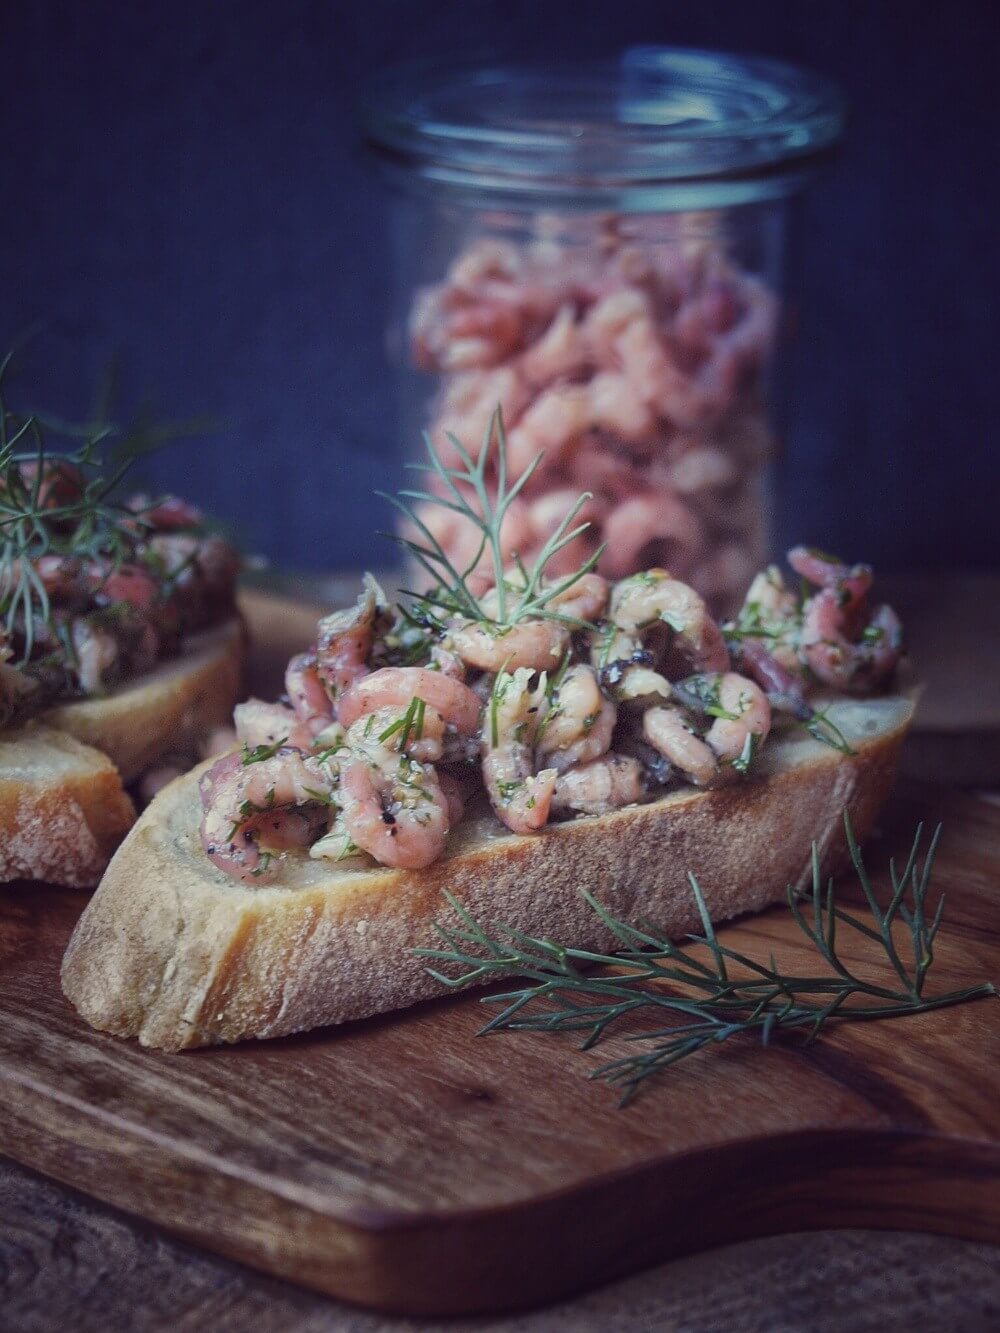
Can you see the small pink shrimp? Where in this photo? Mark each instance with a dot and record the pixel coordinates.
(596, 466)
(539, 645)
(520, 797)
(644, 360)
(826, 571)
(579, 724)
(312, 705)
(397, 687)
(560, 350)
(279, 802)
(344, 639)
(486, 258)
(855, 665)
(670, 734)
(639, 602)
(483, 333)
(843, 643)
(259, 723)
(646, 520)
(552, 423)
(400, 818)
(447, 662)
(615, 406)
(467, 405)
(585, 599)
(605, 784)
(751, 716)
(699, 468)
(772, 675)
(608, 319)
(427, 740)
(451, 329)
(769, 598)
(700, 400)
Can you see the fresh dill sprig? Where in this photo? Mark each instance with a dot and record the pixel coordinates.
(410, 726)
(527, 596)
(822, 727)
(36, 520)
(259, 753)
(722, 993)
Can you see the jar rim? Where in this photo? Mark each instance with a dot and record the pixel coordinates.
(654, 115)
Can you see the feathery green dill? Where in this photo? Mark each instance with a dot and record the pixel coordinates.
(259, 753)
(576, 990)
(527, 596)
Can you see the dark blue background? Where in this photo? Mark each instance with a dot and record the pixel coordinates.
(182, 185)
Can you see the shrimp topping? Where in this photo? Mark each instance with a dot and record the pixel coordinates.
(743, 717)
(646, 600)
(671, 734)
(538, 645)
(602, 785)
(344, 639)
(580, 722)
(264, 724)
(844, 643)
(597, 697)
(395, 810)
(310, 702)
(397, 687)
(520, 796)
(276, 804)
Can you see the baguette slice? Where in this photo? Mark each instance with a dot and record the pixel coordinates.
(173, 952)
(62, 808)
(169, 710)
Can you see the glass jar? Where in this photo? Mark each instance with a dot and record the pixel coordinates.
(599, 250)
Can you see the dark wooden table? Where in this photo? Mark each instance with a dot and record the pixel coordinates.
(68, 1265)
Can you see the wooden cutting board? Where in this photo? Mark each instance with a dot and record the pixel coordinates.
(407, 1165)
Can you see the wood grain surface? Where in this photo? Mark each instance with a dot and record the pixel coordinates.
(404, 1164)
(69, 1265)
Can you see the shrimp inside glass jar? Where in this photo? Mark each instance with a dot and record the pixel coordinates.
(629, 356)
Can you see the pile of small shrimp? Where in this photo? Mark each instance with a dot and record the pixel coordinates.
(637, 372)
(108, 617)
(395, 721)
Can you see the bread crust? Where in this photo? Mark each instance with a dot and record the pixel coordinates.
(173, 952)
(169, 710)
(63, 810)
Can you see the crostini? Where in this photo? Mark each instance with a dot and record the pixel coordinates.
(120, 650)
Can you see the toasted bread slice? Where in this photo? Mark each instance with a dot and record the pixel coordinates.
(173, 952)
(169, 710)
(63, 810)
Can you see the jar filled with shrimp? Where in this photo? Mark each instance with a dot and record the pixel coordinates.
(598, 251)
